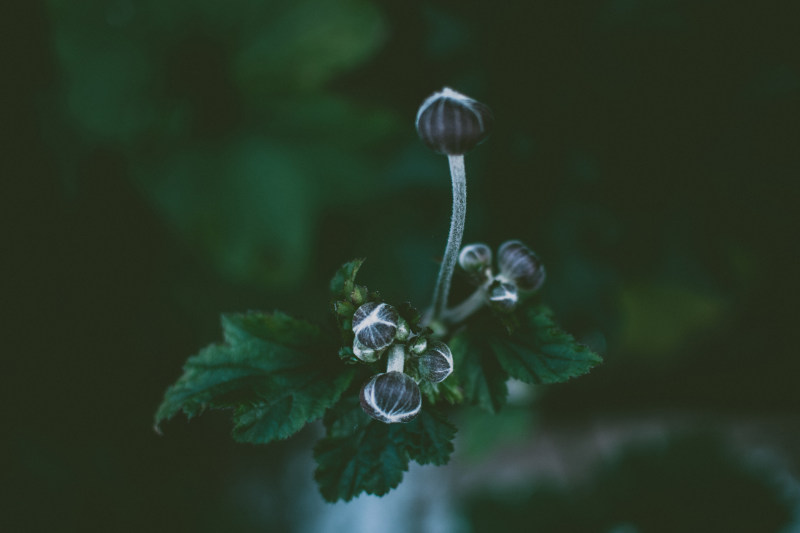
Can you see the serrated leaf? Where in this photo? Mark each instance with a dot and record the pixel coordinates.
(540, 352)
(430, 437)
(537, 351)
(276, 328)
(477, 371)
(343, 281)
(369, 461)
(273, 371)
(294, 400)
(362, 455)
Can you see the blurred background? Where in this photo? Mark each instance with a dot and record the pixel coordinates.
(166, 161)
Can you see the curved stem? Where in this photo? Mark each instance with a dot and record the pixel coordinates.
(442, 289)
(397, 358)
(463, 310)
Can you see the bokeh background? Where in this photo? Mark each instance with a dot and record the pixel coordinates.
(167, 161)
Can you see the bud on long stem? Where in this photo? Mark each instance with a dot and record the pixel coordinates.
(450, 123)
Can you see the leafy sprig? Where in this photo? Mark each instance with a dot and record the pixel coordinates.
(360, 454)
(276, 374)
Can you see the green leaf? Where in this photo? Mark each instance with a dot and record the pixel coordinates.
(344, 280)
(539, 352)
(369, 461)
(447, 390)
(429, 437)
(360, 454)
(295, 400)
(273, 371)
(276, 328)
(477, 371)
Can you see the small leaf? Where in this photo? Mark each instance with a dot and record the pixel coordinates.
(273, 371)
(539, 352)
(344, 280)
(363, 455)
(430, 437)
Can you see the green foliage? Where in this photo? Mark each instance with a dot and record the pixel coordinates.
(536, 352)
(476, 369)
(343, 282)
(360, 454)
(277, 373)
(540, 352)
(272, 371)
(447, 390)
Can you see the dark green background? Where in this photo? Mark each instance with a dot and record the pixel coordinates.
(166, 161)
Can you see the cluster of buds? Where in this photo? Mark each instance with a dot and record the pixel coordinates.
(520, 270)
(394, 396)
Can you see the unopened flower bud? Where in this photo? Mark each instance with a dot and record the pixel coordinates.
(403, 331)
(437, 363)
(391, 397)
(502, 296)
(359, 294)
(519, 264)
(375, 325)
(365, 353)
(450, 123)
(344, 308)
(475, 258)
(418, 345)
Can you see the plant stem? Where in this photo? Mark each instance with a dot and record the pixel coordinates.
(442, 289)
(397, 358)
(460, 312)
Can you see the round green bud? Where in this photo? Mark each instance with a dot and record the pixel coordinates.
(403, 331)
(418, 345)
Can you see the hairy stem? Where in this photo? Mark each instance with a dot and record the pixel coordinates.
(442, 289)
(397, 358)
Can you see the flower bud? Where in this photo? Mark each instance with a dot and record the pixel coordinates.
(418, 345)
(519, 264)
(375, 325)
(359, 294)
(365, 353)
(475, 258)
(403, 331)
(502, 296)
(450, 123)
(437, 363)
(344, 308)
(391, 397)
